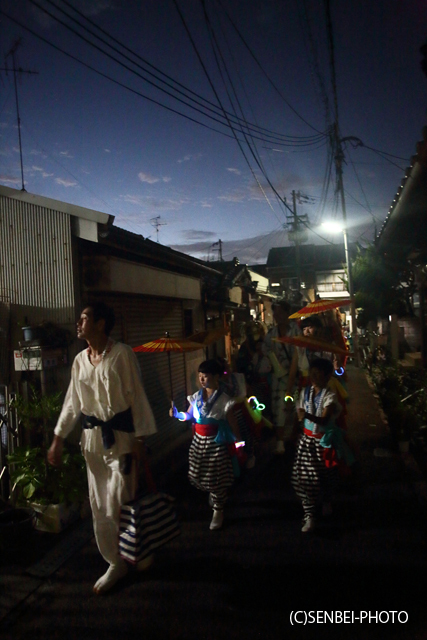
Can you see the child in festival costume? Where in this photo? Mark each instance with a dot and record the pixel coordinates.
(321, 444)
(312, 327)
(210, 455)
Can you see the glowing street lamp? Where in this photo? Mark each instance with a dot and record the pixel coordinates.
(335, 227)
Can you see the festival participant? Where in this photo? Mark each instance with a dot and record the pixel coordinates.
(252, 332)
(280, 355)
(312, 327)
(106, 389)
(313, 470)
(262, 375)
(211, 450)
(250, 421)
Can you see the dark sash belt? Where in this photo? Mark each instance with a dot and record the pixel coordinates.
(120, 422)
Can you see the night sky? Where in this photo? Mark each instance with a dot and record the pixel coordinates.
(261, 69)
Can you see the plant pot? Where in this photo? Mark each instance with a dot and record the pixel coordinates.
(33, 333)
(16, 525)
(54, 518)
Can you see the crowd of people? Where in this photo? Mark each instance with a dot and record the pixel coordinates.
(271, 385)
(302, 393)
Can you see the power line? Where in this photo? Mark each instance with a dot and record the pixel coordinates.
(220, 103)
(258, 239)
(322, 88)
(107, 77)
(264, 72)
(136, 92)
(216, 48)
(12, 53)
(279, 137)
(237, 72)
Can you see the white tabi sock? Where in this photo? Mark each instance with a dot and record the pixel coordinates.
(114, 573)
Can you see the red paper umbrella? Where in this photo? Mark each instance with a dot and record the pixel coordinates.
(163, 345)
(168, 345)
(318, 306)
(313, 344)
(209, 336)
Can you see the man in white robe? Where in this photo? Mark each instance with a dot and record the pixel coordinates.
(106, 388)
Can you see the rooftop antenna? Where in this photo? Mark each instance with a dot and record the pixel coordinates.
(157, 224)
(11, 53)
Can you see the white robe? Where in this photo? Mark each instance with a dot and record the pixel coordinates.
(111, 387)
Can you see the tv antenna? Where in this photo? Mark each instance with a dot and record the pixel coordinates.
(12, 53)
(157, 224)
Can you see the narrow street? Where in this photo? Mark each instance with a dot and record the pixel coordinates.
(246, 580)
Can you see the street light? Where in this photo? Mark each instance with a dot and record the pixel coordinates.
(335, 227)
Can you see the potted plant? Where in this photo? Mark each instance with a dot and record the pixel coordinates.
(55, 493)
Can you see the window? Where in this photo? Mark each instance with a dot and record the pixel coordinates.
(330, 281)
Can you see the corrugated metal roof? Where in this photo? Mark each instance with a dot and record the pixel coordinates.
(56, 205)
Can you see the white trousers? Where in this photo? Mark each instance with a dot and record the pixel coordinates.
(108, 490)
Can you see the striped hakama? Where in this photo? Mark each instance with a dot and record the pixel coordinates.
(210, 468)
(311, 478)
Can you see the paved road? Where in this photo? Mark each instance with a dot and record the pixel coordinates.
(246, 580)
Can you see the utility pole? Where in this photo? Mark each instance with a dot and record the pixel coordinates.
(12, 53)
(339, 157)
(220, 250)
(296, 235)
(157, 224)
(297, 251)
(219, 245)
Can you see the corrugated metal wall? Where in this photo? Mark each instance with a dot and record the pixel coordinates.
(36, 261)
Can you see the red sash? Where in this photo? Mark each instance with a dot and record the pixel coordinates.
(318, 436)
(206, 429)
(329, 454)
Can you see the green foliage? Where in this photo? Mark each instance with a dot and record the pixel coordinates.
(382, 285)
(403, 395)
(45, 484)
(30, 471)
(39, 412)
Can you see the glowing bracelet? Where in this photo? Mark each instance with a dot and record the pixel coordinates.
(259, 406)
(289, 398)
(341, 369)
(239, 444)
(184, 418)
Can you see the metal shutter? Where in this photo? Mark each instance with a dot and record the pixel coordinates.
(139, 320)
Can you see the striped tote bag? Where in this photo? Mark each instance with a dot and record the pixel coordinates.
(146, 524)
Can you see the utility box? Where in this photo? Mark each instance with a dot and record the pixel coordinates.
(39, 358)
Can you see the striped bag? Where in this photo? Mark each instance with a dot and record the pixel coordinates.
(146, 524)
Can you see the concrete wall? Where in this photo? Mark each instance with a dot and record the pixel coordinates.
(105, 273)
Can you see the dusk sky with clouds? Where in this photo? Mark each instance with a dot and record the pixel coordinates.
(203, 113)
